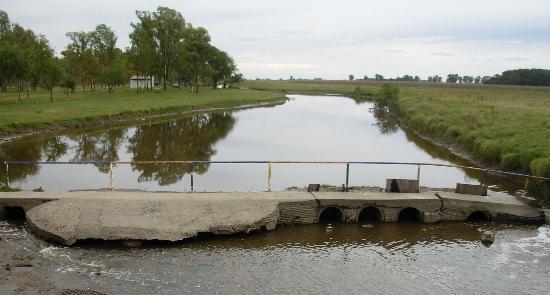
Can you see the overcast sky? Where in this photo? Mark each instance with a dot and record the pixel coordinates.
(331, 39)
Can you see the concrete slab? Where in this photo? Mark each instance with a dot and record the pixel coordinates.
(66, 217)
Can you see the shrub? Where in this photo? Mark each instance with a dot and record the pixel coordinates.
(388, 93)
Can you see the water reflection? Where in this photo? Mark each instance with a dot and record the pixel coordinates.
(185, 139)
(304, 128)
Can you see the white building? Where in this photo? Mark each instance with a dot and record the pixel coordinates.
(142, 82)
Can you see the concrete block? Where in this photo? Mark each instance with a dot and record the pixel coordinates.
(402, 186)
(471, 189)
(313, 187)
(431, 218)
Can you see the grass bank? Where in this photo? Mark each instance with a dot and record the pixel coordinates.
(87, 108)
(507, 126)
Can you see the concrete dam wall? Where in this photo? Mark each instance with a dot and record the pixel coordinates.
(66, 217)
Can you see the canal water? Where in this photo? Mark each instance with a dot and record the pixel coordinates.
(385, 258)
(316, 128)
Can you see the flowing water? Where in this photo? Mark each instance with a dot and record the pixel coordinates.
(399, 258)
(387, 258)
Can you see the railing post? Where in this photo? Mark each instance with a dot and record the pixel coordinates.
(347, 176)
(269, 177)
(111, 176)
(192, 182)
(7, 174)
(418, 174)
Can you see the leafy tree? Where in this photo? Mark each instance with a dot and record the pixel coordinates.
(194, 53)
(222, 65)
(378, 77)
(113, 74)
(452, 78)
(103, 42)
(52, 76)
(533, 77)
(143, 53)
(351, 77)
(169, 31)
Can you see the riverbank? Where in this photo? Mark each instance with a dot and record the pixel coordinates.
(87, 109)
(503, 126)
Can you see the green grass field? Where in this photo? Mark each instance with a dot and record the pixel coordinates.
(87, 107)
(504, 125)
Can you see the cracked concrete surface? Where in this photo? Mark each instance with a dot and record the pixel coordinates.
(71, 216)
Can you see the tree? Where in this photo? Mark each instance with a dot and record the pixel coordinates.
(78, 55)
(194, 52)
(534, 77)
(113, 74)
(452, 78)
(222, 65)
(52, 76)
(351, 77)
(143, 53)
(103, 42)
(13, 65)
(378, 77)
(169, 31)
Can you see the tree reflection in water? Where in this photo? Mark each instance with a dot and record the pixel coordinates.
(100, 146)
(190, 138)
(31, 149)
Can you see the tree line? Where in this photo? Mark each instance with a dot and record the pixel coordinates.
(163, 44)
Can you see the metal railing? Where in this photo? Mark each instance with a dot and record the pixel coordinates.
(269, 168)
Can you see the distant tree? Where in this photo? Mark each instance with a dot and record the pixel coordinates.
(82, 62)
(416, 78)
(291, 78)
(12, 64)
(236, 78)
(452, 78)
(351, 77)
(437, 79)
(222, 65)
(477, 80)
(430, 79)
(378, 77)
(103, 42)
(113, 75)
(533, 77)
(69, 86)
(468, 79)
(52, 76)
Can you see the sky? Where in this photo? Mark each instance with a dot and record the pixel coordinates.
(330, 39)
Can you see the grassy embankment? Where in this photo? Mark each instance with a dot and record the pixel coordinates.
(508, 126)
(87, 108)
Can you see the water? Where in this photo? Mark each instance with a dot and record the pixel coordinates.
(388, 258)
(304, 128)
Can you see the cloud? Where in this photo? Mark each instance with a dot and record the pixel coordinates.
(324, 38)
(441, 53)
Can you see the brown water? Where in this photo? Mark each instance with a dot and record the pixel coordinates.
(390, 258)
(304, 128)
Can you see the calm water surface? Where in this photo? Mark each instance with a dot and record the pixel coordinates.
(304, 128)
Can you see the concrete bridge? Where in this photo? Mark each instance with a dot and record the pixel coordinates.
(66, 217)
